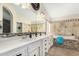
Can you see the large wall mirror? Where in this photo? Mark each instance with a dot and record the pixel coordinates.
(7, 18)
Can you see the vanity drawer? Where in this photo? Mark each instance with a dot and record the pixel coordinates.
(21, 51)
(35, 48)
(35, 52)
(34, 45)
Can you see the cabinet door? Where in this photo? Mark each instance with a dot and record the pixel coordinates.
(20, 53)
(35, 48)
(35, 52)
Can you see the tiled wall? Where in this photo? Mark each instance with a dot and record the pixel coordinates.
(66, 27)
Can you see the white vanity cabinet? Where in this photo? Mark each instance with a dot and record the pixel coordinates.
(34, 52)
(35, 48)
(21, 51)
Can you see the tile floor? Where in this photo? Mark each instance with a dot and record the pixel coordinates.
(57, 51)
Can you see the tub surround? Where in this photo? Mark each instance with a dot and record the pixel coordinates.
(69, 43)
(66, 37)
(70, 47)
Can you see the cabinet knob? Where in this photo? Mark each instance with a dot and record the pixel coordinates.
(45, 48)
(45, 40)
(45, 44)
(19, 55)
(34, 55)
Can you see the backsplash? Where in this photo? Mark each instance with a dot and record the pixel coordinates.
(69, 44)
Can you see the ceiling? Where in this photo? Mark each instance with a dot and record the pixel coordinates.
(56, 10)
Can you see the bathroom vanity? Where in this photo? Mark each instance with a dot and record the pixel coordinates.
(25, 46)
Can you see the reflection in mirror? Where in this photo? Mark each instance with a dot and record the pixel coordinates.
(19, 27)
(7, 17)
(0, 27)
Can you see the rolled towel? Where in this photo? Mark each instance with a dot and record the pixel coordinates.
(59, 40)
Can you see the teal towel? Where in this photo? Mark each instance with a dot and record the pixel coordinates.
(59, 40)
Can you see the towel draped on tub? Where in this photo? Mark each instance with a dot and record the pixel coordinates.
(59, 40)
